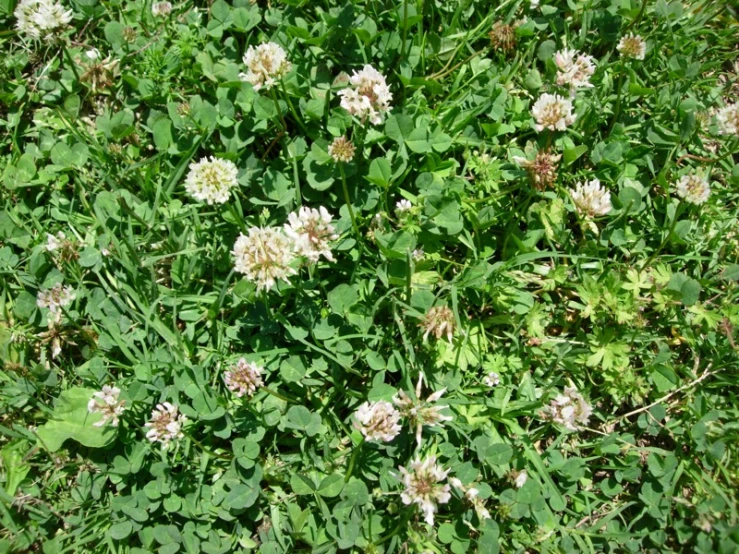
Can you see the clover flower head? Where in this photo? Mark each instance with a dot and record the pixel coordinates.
(553, 112)
(542, 169)
(632, 46)
(492, 379)
(106, 402)
(211, 180)
(727, 119)
(341, 150)
(41, 18)
(693, 188)
(591, 199)
(312, 232)
(161, 9)
(438, 321)
(266, 65)
(574, 69)
(244, 378)
(264, 256)
(424, 487)
(378, 421)
(421, 412)
(368, 96)
(55, 299)
(569, 409)
(165, 424)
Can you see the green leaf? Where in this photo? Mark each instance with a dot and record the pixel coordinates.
(571, 154)
(342, 298)
(398, 127)
(331, 486)
(71, 420)
(380, 172)
(418, 141)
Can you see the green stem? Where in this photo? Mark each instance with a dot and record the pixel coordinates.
(638, 16)
(666, 239)
(206, 449)
(72, 65)
(348, 201)
(619, 86)
(352, 461)
(275, 394)
(298, 120)
(279, 110)
(405, 28)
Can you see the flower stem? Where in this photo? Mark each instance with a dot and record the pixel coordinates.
(349, 202)
(666, 239)
(279, 110)
(352, 460)
(619, 86)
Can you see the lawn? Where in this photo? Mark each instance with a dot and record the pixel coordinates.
(369, 276)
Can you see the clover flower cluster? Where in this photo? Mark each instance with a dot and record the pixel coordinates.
(420, 412)
(165, 424)
(553, 112)
(55, 299)
(107, 403)
(423, 482)
(211, 180)
(438, 321)
(244, 378)
(574, 69)
(378, 421)
(41, 18)
(591, 199)
(632, 46)
(693, 188)
(266, 65)
(569, 409)
(727, 119)
(368, 97)
(472, 495)
(267, 255)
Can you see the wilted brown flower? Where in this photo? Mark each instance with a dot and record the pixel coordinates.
(542, 169)
(439, 321)
(502, 37)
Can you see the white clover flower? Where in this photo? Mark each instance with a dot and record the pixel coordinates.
(244, 378)
(41, 18)
(266, 64)
(93, 54)
(693, 188)
(418, 254)
(421, 412)
(161, 9)
(552, 112)
(54, 243)
(211, 180)
(632, 46)
(520, 479)
(165, 424)
(472, 496)
(569, 409)
(368, 97)
(341, 150)
(402, 206)
(534, 4)
(727, 119)
(574, 69)
(439, 321)
(106, 402)
(491, 379)
(312, 232)
(55, 299)
(264, 256)
(591, 199)
(423, 486)
(377, 421)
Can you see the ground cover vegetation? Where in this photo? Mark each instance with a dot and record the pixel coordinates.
(372, 276)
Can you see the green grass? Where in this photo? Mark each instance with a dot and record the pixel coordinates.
(636, 308)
